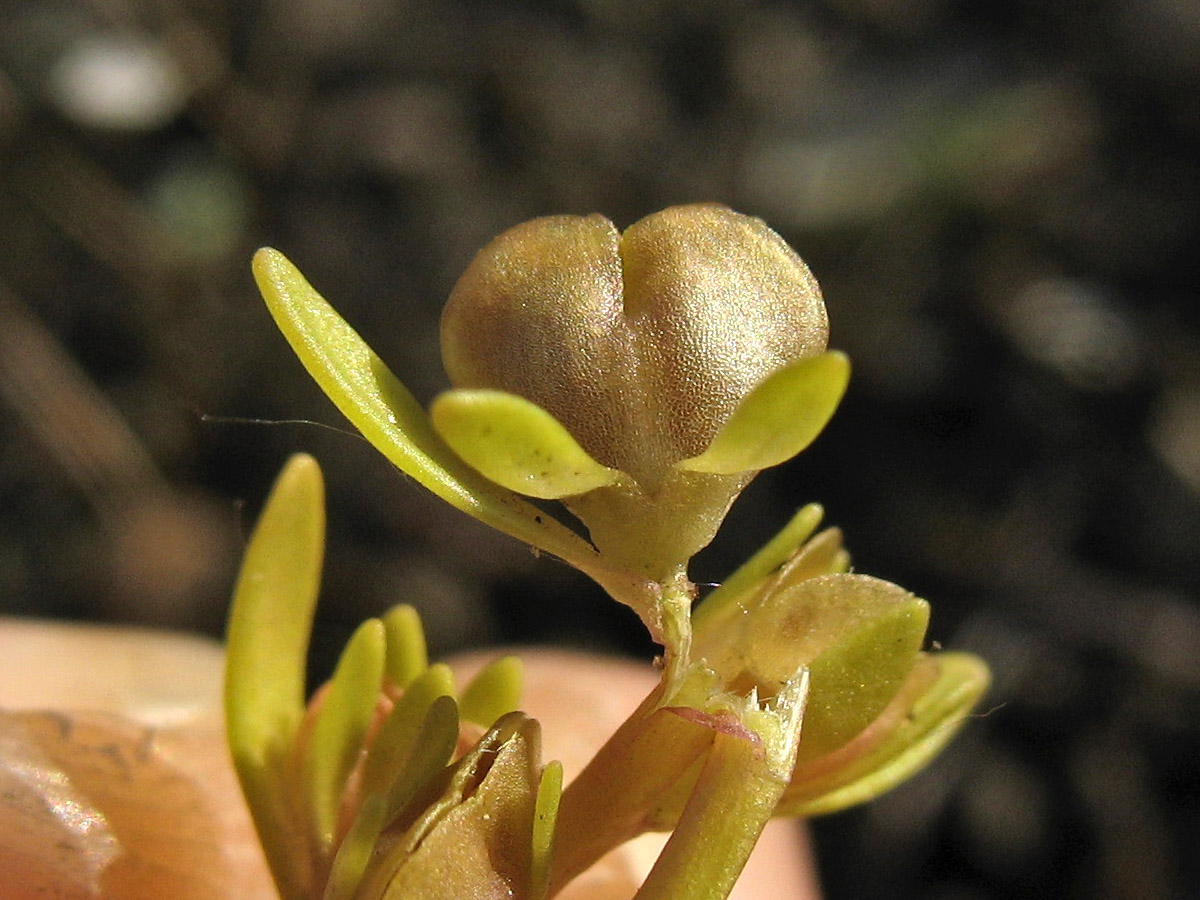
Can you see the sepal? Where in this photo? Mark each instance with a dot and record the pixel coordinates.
(927, 712)
(777, 419)
(517, 444)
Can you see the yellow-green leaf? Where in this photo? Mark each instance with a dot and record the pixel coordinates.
(859, 637)
(356, 848)
(430, 752)
(474, 839)
(866, 634)
(545, 817)
(496, 690)
(726, 599)
(341, 726)
(266, 656)
(910, 734)
(517, 444)
(778, 419)
(398, 734)
(407, 656)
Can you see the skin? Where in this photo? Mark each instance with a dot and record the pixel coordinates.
(148, 804)
(150, 703)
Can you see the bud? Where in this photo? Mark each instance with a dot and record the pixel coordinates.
(643, 378)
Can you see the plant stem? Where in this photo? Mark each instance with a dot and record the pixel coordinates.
(731, 804)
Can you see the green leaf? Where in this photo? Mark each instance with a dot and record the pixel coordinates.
(266, 656)
(517, 444)
(400, 732)
(496, 690)
(376, 403)
(545, 817)
(467, 773)
(863, 635)
(778, 419)
(409, 765)
(340, 727)
(431, 752)
(354, 852)
(909, 734)
(822, 555)
(407, 656)
(474, 839)
(725, 600)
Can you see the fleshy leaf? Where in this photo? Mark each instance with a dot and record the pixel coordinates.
(406, 653)
(341, 726)
(545, 817)
(410, 762)
(910, 738)
(749, 575)
(266, 654)
(739, 596)
(466, 776)
(354, 852)
(496, 690)
(874, 631)
(777, 419)
(398, 734)
(376, 403)
(822, 555)
(431, 750)
(517, 444)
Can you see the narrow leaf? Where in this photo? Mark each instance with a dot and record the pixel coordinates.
(749, 575)
(407, 656)
(496, 690)
(375, 402)
(400, 731)
(408, 770)
(356, 848)
(545, 817)
(431, 752)
(464, 842)
(266, 656)
(478, 847)
(341, 727)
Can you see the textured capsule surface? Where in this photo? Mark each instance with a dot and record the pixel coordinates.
(641, 343)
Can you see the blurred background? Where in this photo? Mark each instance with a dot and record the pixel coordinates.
(1002, 203)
